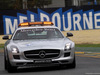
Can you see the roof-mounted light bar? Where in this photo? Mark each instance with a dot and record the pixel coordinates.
(45, 23)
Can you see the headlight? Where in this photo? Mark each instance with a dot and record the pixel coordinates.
(68, 46)
(14, 49)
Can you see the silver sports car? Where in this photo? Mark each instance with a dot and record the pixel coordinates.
(38, 46)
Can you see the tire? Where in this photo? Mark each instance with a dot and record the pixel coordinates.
(5, 63)
(8, 66)
(11, 68)
(73, 64)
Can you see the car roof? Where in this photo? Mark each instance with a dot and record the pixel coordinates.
(36, 27)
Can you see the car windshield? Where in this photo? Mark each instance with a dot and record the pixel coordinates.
(37, 33)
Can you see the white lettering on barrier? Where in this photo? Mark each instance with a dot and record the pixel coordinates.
(69, 22)
(22, 18)
(77, 22)
(32, 18)
(97, 20)
(9, 26)
(89, 22)
(57, 15)
(44, 16)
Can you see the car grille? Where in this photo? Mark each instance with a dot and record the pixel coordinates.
(42, 53)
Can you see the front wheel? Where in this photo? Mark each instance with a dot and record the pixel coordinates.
(8, 66)
(11, 68)
(5, 62)
(73, 64)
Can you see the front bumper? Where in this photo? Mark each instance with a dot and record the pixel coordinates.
(22, 62)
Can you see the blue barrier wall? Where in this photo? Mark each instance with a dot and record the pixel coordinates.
(66, 19)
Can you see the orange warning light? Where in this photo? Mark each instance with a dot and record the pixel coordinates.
(45, 23)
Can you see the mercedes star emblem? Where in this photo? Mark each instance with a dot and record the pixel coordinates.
(42, 54)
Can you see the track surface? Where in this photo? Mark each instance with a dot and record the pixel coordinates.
(85, 66)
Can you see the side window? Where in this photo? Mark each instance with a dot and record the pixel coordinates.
(58, 34)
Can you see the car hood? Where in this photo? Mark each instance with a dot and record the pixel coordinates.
(41, 44)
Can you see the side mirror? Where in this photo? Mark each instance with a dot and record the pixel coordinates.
(69, 34)
(5, 38)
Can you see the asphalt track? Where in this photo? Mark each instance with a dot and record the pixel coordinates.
(85, 66)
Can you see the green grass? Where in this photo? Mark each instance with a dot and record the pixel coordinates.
(1, 45)
(87, 45)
